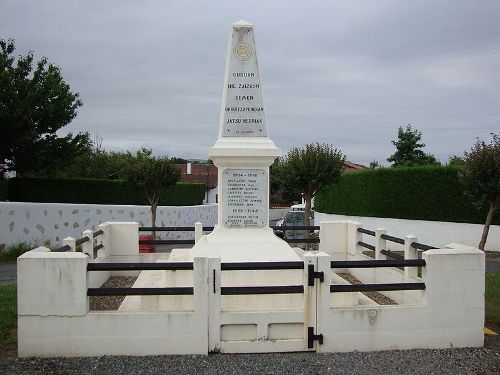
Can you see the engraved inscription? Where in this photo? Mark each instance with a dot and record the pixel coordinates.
(243, 51)
(244, 192)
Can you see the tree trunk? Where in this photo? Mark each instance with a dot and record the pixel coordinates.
(487, 224)
(153, 218)
(307, 222)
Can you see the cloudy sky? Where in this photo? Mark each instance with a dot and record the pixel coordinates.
(349, 73)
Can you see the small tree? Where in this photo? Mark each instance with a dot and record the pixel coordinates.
(480, 175)
(35, 102)
(151, 174)
(307, 170)
(409, 149)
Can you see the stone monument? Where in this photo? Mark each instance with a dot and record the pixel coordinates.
(243, 153)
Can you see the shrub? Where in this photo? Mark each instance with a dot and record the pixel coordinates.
(94, 191)
(419, 193)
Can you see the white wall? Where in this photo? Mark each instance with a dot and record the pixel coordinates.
(37, 223)
(434, 233)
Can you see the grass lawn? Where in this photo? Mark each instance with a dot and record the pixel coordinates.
(8, 314)
(492, 298)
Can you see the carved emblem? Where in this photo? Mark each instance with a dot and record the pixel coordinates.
(243, 51)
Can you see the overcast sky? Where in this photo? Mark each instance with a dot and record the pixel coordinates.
(349, 73)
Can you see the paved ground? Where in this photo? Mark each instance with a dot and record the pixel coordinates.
(8, 273)
(452, 361)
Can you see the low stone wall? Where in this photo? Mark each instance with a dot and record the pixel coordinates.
(434, 233)
(49, 223)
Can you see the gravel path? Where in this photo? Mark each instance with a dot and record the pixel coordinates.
(375, 296)
(102, 303)
(452, 361)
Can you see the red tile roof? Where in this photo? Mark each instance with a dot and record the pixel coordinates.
(199, 174)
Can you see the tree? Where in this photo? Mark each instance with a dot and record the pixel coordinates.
(480, 175)
(374, 164)
(307, 170)
(409, 151)
(151, 174)
(35, 102)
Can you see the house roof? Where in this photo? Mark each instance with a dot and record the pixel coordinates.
(352, 167)
(202, 173)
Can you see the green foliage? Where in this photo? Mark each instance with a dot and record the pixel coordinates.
(307, 170)
(11, 252)
(492, 298)
(8, 313)
(409, 149)
(419, 193)
(94, 191)
(35, 102)
(480, 173)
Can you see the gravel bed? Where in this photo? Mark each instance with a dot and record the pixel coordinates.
(451, 361)
(102, 303)
(375, 296)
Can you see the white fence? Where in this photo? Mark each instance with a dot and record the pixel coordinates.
(437, 233)
(222, 314)
(48, 223)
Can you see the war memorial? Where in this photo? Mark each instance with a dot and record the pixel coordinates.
(240, 288)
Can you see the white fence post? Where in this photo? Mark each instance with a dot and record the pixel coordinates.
(88, 246)
(410, 253)
(71, 242)
(380, 243)
(310, 296)
(198, 231)
(200, 298)
(323, 295)
(105, 240)
(333, 238)
(214, 303)
(353, 237)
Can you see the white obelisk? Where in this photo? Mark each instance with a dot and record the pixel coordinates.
(243, 154)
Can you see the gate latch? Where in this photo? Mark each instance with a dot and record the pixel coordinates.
(311, 337)
(312, 274)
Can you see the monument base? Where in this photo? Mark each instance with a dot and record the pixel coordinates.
(239, 245)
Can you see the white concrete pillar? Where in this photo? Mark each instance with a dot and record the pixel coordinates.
(310, 295)
(410, 253)
(200, 297)
(454, 294)
(333, 238)
(214, 303)
(323, 261)
(88, 246)
(198, 231)
(123, 238)
(380, 243)
(71, 242)
(51, 283)
(105, 240)
(353, 237)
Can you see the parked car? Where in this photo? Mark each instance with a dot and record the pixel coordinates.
(294, 217)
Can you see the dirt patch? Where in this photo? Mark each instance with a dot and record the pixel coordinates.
(107, 303)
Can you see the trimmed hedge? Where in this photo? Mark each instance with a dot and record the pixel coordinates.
(94, 191)
(419, 193)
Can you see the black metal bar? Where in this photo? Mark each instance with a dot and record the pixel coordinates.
(392, 239)
(422, 246)
(82, 240)
(294, 227)
(303, 240)
(392, 254)
(262, 266)
(166, 242)
(139, 266)
(312, 274)
(177, 291)
(366, 231)
(62, 249)
(311, 337)
(377, 263)
(98, 247)
(278, 289)
(97, 233)
(366, 245)
(376, 287)
(166, 229)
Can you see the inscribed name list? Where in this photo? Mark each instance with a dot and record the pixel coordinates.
(243, 108)
(244, 197)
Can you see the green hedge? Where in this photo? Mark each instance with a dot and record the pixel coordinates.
(83, 190)
(420, 193)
